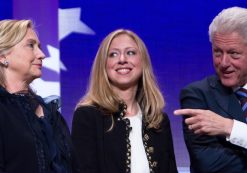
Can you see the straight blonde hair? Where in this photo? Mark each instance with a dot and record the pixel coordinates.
(11, 33)
(100, 92)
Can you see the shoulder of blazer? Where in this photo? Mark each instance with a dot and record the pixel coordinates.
(208, 83)
(89, 112)
(215, 83)
(89, 109)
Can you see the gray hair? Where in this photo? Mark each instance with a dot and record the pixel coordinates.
(230, 20)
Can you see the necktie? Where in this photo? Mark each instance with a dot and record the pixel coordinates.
(242, 96)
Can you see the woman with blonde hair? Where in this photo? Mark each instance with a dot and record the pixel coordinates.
(119, 125)
(34, 137)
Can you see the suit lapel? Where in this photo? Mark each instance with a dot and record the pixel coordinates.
(226, 100)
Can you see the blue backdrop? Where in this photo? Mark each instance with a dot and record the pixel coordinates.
(175, 32)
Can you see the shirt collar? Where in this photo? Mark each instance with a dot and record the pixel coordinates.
(245, 87)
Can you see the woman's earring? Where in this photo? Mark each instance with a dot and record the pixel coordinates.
(5, 63)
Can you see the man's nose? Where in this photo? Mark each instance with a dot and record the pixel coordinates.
(225, 61)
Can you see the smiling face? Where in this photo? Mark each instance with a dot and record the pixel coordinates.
(124, 62)
(25, 58)
(230, 59)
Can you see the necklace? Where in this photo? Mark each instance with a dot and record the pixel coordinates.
(23, 93)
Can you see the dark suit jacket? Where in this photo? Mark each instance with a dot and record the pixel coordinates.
(213, 154)
(18, 152)
(103, 151)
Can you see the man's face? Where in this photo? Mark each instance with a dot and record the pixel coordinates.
(230, 59)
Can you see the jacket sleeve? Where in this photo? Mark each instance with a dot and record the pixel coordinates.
(84, 139)
(208, 154)
(168, 135)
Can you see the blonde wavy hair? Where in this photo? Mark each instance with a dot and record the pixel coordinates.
(100, 92)
(11, 33)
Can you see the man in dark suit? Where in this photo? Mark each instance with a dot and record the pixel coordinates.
(215, 129)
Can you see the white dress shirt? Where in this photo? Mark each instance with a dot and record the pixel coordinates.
(139, 161)
(238, 134)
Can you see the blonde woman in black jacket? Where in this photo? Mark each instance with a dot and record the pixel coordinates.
(34, 137)
(119, 126)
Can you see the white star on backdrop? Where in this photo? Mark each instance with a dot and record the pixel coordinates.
(52, 62)
(69, 21)
(45, 88)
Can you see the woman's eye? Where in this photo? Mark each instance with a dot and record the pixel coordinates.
(31, 45)
(113, 54)
(131, 53)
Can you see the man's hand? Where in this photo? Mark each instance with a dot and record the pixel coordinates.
(206, 122)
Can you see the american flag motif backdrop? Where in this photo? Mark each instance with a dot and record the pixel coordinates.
(70, 31)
